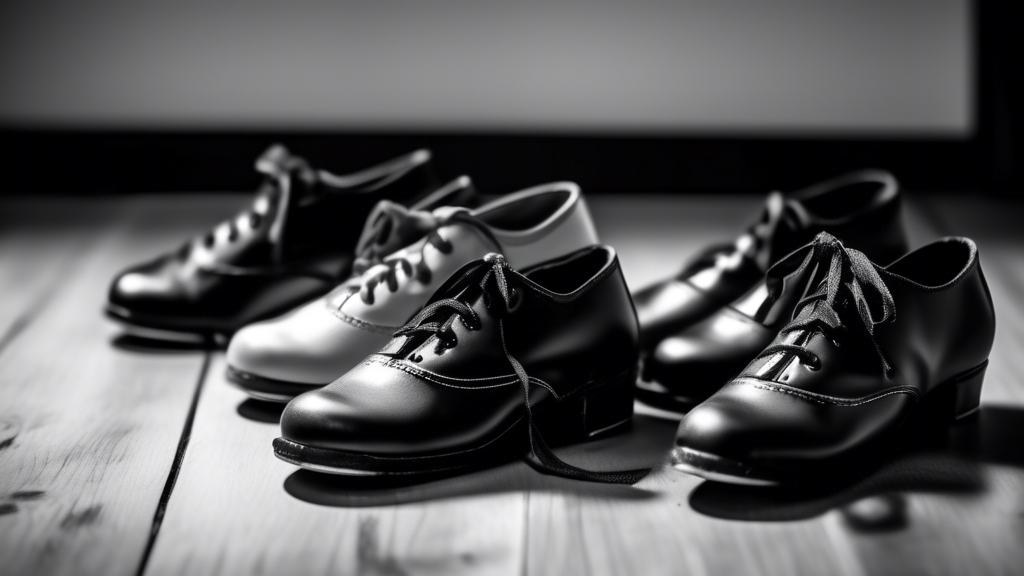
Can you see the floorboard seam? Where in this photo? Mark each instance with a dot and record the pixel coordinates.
(172, 476)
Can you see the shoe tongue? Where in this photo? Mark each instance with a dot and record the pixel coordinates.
(278, 162)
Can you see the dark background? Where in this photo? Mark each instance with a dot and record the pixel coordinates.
(118, 97)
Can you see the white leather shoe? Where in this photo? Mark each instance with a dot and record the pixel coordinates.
(314, 344)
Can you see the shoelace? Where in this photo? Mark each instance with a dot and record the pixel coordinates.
(754, 243)
(392, 226)
(493, 274)
(274, 164)
(849, 269)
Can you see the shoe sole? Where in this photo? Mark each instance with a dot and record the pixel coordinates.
(717, 469)
(951, 401)
(267, 389)
(155, 328)
(559, 421)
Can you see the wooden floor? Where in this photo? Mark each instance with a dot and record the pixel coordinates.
(118, 458)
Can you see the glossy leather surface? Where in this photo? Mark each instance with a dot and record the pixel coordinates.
(573, 324)
(783, 412)
(691, 365)
(321, 340)
(295, 243)
(862, 208)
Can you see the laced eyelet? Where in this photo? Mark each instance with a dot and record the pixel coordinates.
(514, 299)
(445, 340)
(209, 240)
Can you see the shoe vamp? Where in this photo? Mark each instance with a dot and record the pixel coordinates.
(379, 408)
(750, 419)
(309, 345)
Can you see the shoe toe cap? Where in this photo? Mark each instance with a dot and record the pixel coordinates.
(668, 307)
(143, 288)
(688, 366)
(321, 418)
(307, 345)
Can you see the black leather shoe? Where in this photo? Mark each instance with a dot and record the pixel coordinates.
(862, 208)
(294, 244)
(690, 365)
(496, 363)
(869, 348)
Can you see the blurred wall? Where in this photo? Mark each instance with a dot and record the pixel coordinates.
(863, 67)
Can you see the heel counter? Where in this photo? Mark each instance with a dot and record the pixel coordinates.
(989, 305)
(627, 317)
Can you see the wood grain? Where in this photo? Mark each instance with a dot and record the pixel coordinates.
(953, 506)
(95, 429)
(89, 428)
(236, 509)
(40, 244)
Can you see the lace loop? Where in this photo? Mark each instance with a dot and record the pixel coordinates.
(391, 227)
(847, 268)
(500, 295)
(276, 163)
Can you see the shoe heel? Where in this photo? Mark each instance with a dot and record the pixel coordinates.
(603, 410)
(957, 398)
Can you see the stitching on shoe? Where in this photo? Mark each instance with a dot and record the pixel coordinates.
(356, 322)
(388, 361)
(833, 400)
(438, 379)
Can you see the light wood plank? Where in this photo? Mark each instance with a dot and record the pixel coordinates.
(41, 241)
(236, 509)
(90, 429)
(103, 424)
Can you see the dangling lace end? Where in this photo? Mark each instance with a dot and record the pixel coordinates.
(540, 457)
(543, 460)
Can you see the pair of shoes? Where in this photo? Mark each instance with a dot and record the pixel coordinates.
(702, 327)
(498, 364)
(829, 359)
(316, 343)
(431, 354)
(294, 243)
(874, 354)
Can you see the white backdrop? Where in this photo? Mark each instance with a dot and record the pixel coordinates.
(799, 66)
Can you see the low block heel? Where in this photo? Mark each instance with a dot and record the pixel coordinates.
(957, 398)
(603, 410)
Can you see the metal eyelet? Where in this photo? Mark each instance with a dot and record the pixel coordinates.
(515, 298)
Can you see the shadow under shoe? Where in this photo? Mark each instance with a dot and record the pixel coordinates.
(949, 463)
